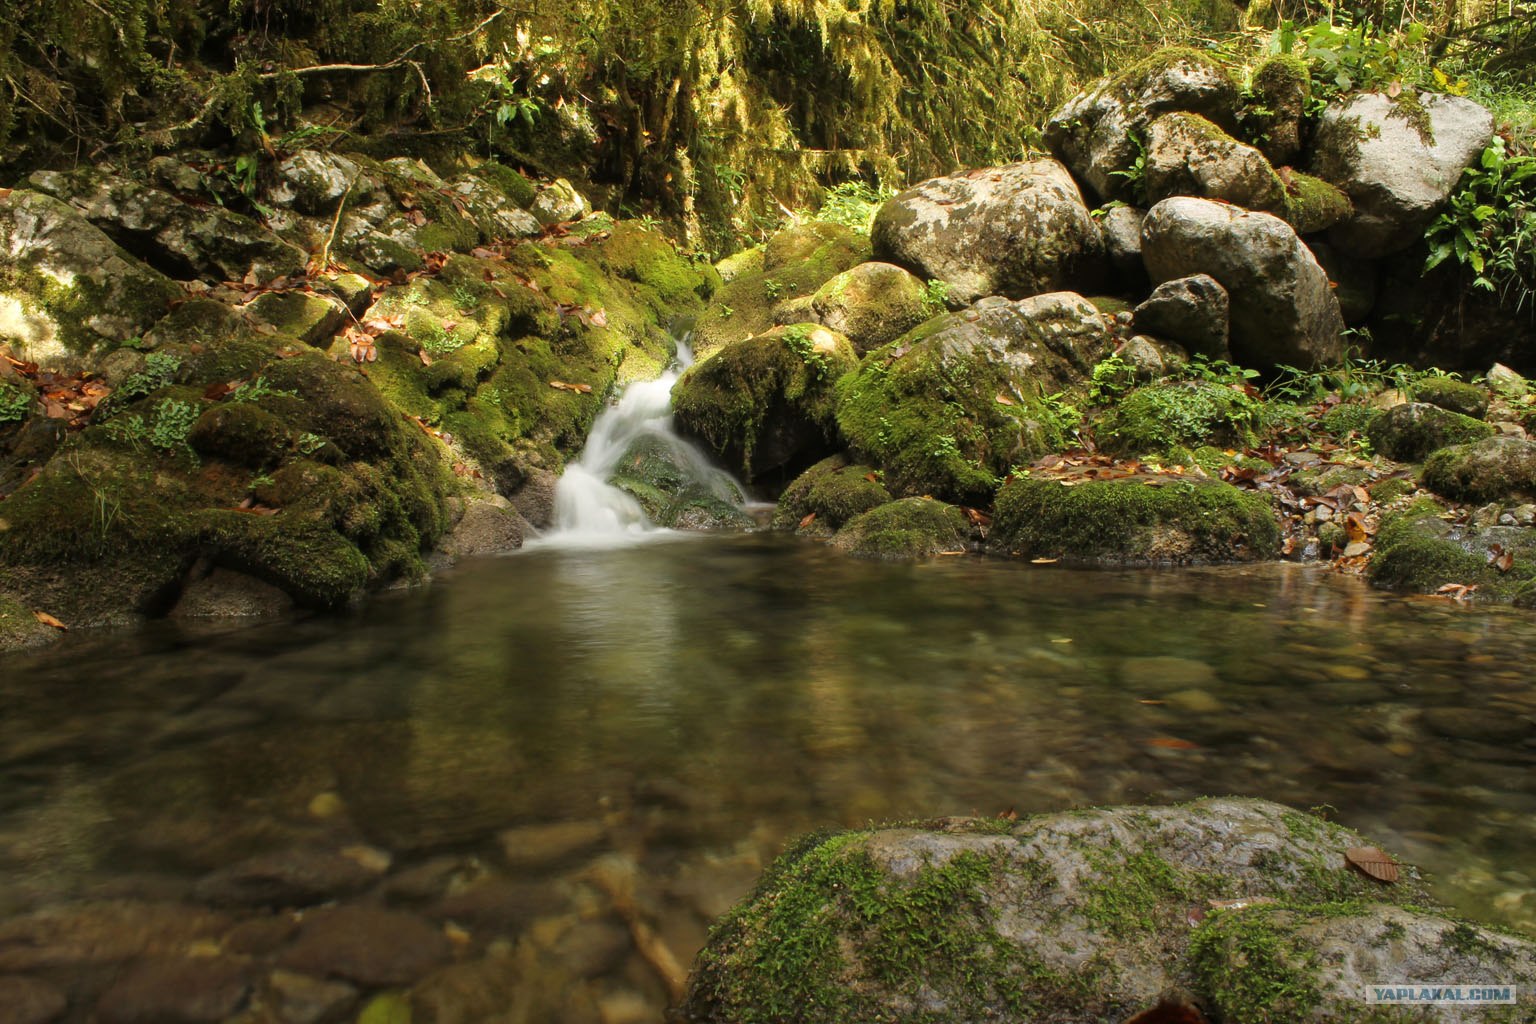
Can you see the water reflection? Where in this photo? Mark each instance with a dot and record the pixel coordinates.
(699, 700)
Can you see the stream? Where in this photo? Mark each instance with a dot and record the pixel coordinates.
(552, 771)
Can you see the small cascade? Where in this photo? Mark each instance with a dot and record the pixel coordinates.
(590, 511)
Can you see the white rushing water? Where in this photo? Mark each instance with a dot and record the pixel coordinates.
(590, 511)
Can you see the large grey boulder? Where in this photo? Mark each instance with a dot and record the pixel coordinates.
(313, 181)
(946, 409)
(69, 288)
(1187, 155)
(871, 304)
(1398, 161)
(1017, 231)
(205, 240)
(1091, 915)
(1282, 308)
(1194, 311)
(1096, 132)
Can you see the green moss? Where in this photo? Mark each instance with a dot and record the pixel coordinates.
(767, 401)
(1213, 460)
(312, 563)
(1490, 470)
(834, 491)
(1183, 413)
(1313, 205)
(1126, 84)
(1407, 106)
(1409, 432)
(788, 954)
(1416, 551)
(1110, 305)
(1140, 894)
(1127, 521)
(1386, 491)
(905, 529)
(1450, 393)
(508, 182)
(644, 256)
(242, 433)
(1252, 969)
(19, 627)
(1318, 480)
(1285, 75)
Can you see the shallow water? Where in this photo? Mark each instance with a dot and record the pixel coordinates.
(697, 700)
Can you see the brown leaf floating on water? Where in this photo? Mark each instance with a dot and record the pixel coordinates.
(1370, 861)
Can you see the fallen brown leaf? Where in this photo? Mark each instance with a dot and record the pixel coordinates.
(49, 620)
(1372, 862)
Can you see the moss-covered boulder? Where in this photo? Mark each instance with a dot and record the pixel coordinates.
(299, 314)
(1493, 469)
(1082, 916)
(1455, 395)
(1312, 205)
(1133, 521)
(947, 409)
(831, 492)
(905, 529)
(796, 262)
(766, 403)
(1418, 552)
(1410, 431)
(241, 433)
(1187, 155)
(1185, 414)
(1280, 88)
(1096, 132)
(66, 289)
(872, 304)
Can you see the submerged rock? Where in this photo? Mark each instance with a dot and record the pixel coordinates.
(1282, 309)
(1090, 915)
(1018, 230)
(948, 408)
(1398, 159)
(1127, 522)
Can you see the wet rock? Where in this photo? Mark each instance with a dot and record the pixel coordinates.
(1398, 160)
(370, 947)
(29, 1001)
(545, 847)
(175, 990)
(899, 411)
(1410, 431)
(1417, 551)
(906, 529)
(300, 999)
(466, 993)
(591, 949)
(1094, 133)
(224, 593)
(294, 877)
(499, 905)
(871, 304)
(1187, 155)
(1282, 309)
(1493, 469)
(102, 933)
(489, 526)
(765, 403)
(260, 936)
(70, 290)
(1127, 522)
(1158, 674)
(1077, 916)
(208, 240)
(1017, 230)
(1194, 311)
(677, 486)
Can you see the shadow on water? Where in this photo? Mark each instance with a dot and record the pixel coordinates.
(700, 699)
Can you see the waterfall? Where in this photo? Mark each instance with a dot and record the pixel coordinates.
(590, 511)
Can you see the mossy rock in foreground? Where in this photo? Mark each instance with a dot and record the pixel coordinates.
(1452, 394)
(1187, 414)
(1419, 552)
(1134, 522)
(1081, 916)
(906, 529)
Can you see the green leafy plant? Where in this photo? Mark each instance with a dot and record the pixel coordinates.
(1490, 226)
(853, 204)
(166, 429)
(14, 403)
(160, 369)
(257, 388)
(772, 289)
(309, 443)
(1110, 379)
(1135, 176)
(936, 297)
